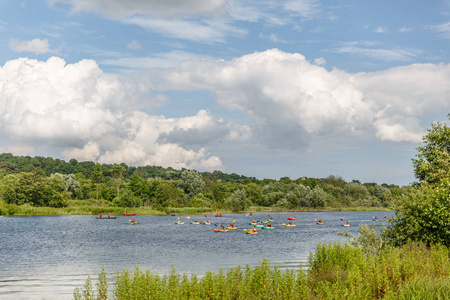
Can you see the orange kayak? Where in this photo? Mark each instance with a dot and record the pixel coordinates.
(220, 230)
(293, 218)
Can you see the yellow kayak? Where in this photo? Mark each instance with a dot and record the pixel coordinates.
(231, 228)
(251, 232)
(289, 225)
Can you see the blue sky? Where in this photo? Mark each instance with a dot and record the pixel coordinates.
(259, 88)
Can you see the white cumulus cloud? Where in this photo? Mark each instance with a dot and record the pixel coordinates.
(91, 115)
(291, 101)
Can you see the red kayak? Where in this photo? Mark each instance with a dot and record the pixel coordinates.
(220, 230)
(293, 218)
(133, 214)
(218, 215)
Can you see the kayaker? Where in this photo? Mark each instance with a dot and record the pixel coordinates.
(320, 220)
(100, 216)
(207, 221)
(268, 225)
(346, 223)
(253, 229)
(231, 225)
(290, 223)
(222, 226)
(250, 213)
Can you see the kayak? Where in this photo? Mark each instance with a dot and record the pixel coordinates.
(195, 223)
(133, 214)
(260, 225)
(179, 223)
(293, 218)
(264, 227)
(319, 223)
(346, 225)
(204, 223)
(231, 228)
(220, 230)
(251, 223)
(133, 223)
(289, 225)
(105, 218)
(251, 232)
(218, 215)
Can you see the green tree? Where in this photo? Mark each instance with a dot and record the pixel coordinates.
(317, 197)
(423, 215)
(97, 176)
(71, 183)
(191, 182)
(237, 201)
(433, 160)
(117, 172)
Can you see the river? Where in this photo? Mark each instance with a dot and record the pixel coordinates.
(47, 257)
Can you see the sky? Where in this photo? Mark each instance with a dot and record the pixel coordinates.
(265, 89)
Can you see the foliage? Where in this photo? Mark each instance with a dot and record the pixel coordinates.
(238, 201)
(191, 182)
(433, 160)
(72, 185)
(336, 271)
(369, 239)
(423, 215)
(166, 187)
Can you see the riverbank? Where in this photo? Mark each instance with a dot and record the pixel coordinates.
(92, 207)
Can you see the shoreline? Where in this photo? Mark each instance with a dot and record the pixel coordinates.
(27, 210)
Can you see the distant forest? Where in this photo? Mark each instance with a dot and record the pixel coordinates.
(44, 181)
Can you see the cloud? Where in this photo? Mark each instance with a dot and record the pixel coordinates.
(168, 8)
(207, 31)
(36, 46)
(91, 115)
(291, 102)
(320, 61)
(443, 30)
(380, 54)
(134, 45)
(381, 29)
(307, 9)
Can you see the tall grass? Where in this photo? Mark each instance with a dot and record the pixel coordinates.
(336, 271)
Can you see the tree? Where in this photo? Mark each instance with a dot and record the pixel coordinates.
(97, 176)
(317, 197)
(72, 185)
(117, 172)
(237, 201)
(423, 215)
(433, 160)
(191, 182)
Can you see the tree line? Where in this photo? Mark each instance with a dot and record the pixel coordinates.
(52, 182)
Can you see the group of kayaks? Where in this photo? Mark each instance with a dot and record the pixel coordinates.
(265, 224)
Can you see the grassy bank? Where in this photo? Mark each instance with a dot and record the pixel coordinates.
(92, 207)
(336, 272)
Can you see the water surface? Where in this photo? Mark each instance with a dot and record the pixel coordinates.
(47, 257)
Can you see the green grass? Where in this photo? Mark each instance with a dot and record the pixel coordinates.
(93, 207)
(336, 271)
